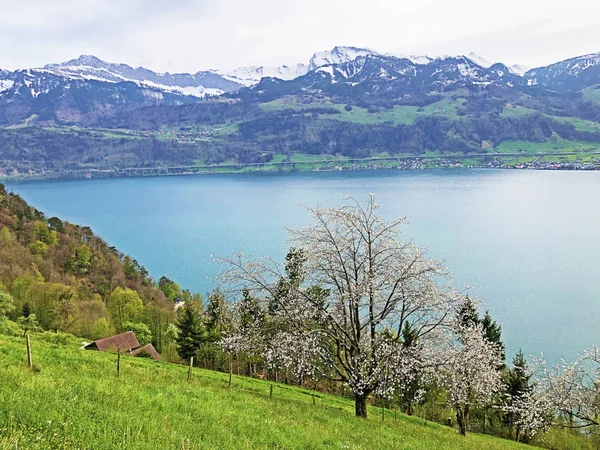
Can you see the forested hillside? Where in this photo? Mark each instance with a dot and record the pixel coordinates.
(63, 277)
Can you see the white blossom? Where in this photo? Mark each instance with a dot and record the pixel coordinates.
(359, 280)
(569, 390)
(468, 369)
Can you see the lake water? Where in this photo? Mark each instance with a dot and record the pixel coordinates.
(526, 241)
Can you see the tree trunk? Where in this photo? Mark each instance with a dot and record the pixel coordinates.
(360, 402)
(462, 417)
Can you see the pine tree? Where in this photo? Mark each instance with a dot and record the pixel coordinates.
(26, 310)
(191, 332)
(252, 313)
(518, 383)
(493, 333)
(294, 271)
(467, 315)
(216, 313)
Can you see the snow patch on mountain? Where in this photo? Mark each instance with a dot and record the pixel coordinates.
(584, 62)
(5, 85)
(88, 67)
(518, 69)
(338, 55)
(479, 60)
(249, 76)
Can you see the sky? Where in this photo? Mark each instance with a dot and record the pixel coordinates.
(192, 35)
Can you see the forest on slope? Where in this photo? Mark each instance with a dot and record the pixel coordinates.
(67, 279)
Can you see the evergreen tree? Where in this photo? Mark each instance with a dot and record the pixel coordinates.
(294, 271)
(216, 313)
(191, 332)
(493, 333)
(294, 266)
(252, 314)
(468, 315)
(518, 383)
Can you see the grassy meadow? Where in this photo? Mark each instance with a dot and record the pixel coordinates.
(399, 114)
(74, 399)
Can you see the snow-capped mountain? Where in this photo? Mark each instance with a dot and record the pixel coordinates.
(78, 90)
(517, 69)
(338, 55)
(417, 59)
(88, 67)
(479, 60)
(380, 76)
(571, 74)
(249, 76)
(44, 97)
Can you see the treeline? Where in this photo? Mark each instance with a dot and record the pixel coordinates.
(291, 131)
(205, 112)
(60, 276)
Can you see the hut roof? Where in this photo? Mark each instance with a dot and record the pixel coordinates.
(147, 349)
(123, 341)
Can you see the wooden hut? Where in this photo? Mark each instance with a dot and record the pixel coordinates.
(126, 343)
(145, 350)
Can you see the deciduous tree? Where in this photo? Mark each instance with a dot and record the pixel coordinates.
(373, 281)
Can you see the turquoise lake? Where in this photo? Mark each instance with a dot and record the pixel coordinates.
(527, 242)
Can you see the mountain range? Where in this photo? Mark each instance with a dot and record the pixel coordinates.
(565, 75)
(348, 101)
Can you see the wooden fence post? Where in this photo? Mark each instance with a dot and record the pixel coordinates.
(190, 368)
(230, 370)
(314, 401)
(395, 413)
(382, 413)
(271, 392)
(29, 360)
(118, 361)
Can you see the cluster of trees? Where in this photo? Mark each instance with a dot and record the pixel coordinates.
(291, 131)
(58, 276)
(56, 149)
(356, 308)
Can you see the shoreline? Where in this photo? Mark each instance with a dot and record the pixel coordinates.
(492, 161)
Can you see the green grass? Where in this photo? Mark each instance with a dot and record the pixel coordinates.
(516, 111)
(592, 93)
(579, 124)
(76, 400)
(557, 146)
(396, 115)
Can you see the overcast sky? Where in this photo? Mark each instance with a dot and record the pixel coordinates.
(192, 35)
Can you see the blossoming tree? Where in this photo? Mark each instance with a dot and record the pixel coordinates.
(358, 287)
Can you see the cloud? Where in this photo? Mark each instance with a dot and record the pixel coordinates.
(188, 35)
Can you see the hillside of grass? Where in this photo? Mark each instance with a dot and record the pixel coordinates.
(399, 114)
(74, 399)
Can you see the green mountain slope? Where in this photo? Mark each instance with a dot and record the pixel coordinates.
(75, 400)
